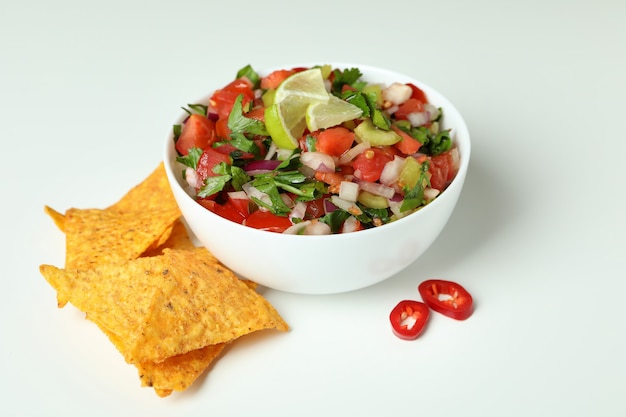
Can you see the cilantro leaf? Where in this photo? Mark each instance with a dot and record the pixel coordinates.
(349, 77)
(241, 142)
(238, 123)
(239, 177)
(335, 219)
(191, 159)
(201, 109)
(213, 185)
(250, 74)
(267, 185)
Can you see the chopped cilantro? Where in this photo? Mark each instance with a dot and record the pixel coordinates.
(349, 77)
(238, 123)
(250, 74)
(191, 159)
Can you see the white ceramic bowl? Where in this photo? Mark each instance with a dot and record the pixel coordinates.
(332, 263)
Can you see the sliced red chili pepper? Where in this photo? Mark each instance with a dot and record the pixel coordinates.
(408, 319)
(447, 298)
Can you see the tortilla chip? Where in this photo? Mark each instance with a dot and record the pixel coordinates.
(178, 239)
(167, 305)
(95, 237)
(170, 308)
(153, 193)
(178, 372)
(221, 309)
(58, 218)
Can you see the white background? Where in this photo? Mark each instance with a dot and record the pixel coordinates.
(88, 93)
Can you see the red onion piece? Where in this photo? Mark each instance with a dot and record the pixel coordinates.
(397, 197)
(261, 167)
(329, 207)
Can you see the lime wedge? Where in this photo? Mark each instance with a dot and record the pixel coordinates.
(308, 84)
(285, 118)
(285, 121)
(321, 115)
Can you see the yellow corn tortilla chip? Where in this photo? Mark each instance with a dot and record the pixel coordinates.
(178, 239)
(166, 305)
(153, 193)
(221, 309)
(58, 218)
(178, 372)
(95, 236)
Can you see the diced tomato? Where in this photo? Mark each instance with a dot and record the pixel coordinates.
(209, 159)
(228, 210)
(274, 79)
(315, 208)
(228, 148)
(412, 105)
(334, 141)
(223, 100)
(408, 145)
(330, 178)
(221, 128)
(197, 132)
(369, 164)
(442, 170)
(241, 205)
(266, 220)
(418, 93)
(257, 113)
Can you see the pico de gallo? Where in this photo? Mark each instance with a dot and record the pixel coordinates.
(339, 179)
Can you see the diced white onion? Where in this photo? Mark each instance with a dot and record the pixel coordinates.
(418, 118)
(352, 153)
(296, 228)
(348, 190)
(391, 171)
(318, 161)
(346, 205)
(238, 195)
(377, 189)
(317, 228)
(433, 112)
(256, 193)
(271, 151)
(350, 225)
(397, 93)
(298, 211)
(192, 178)
(308, 227)
(431, 193)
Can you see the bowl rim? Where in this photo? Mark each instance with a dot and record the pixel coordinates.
(169, 153)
